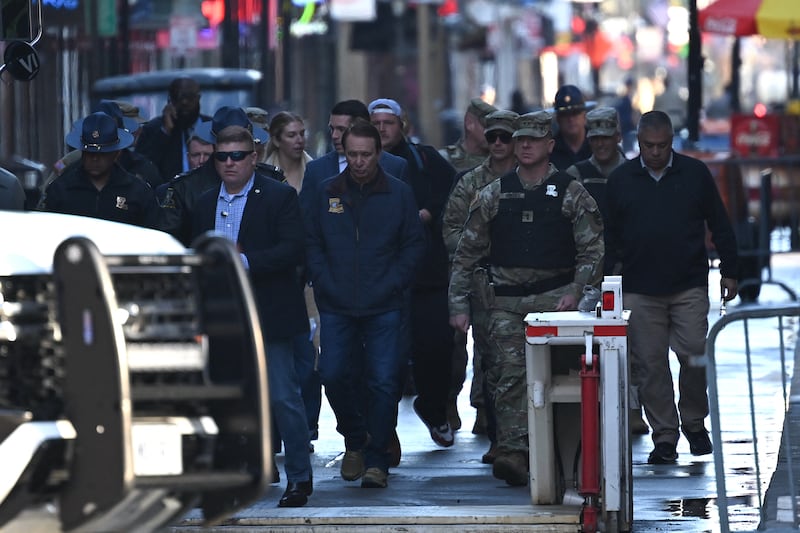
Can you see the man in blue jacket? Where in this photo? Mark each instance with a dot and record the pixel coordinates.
(364, 243)
(331, 164)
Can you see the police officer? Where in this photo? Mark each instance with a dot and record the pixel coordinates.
(471, 149)
(570, 145)
(542, 236)
(178, 196)
(498, 134)
(98, 187)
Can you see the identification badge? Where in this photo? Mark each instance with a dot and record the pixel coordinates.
(335, 205)
(122, 203)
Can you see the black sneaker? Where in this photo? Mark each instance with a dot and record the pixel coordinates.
(663, 454)
(699, 443)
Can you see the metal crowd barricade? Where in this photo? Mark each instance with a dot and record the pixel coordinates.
(745, 314)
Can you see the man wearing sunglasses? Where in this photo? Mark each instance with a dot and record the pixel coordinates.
(498, 134)
(262, 216)
(539, 235)
(177, 197)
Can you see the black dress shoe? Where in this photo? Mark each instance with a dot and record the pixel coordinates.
(296, 493)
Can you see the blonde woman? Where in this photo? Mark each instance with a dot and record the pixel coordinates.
(286, 150)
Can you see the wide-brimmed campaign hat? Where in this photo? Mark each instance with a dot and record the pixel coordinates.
(98, 133)
(228, 116)
(112, 109)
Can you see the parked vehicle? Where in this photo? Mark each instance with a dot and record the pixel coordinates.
(134, 383)
(148, 90)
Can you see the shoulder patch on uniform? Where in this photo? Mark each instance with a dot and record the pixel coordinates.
(335, 205)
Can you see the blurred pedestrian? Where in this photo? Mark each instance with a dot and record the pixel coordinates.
(97, 187)
(164, 139)
(260, 119)
(500, 127)
(672, 103)
(660, 206)
(431, 337)
(361, 263)
(570, 145)
(262, 216)
(627, 114)
(539, 232)
(471, 149)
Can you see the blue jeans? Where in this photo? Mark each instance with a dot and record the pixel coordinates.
(363, 406)
(288, 409)
(310, 386)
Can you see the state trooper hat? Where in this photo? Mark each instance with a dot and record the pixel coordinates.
(602, 122)
(228, 116)
(98, 133)
(501, 120)
(569, 99)
(537, 124)
(480, 109)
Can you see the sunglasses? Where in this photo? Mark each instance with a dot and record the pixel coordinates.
(238, 155)
(504, 137)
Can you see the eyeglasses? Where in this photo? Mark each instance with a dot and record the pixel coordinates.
(504, 137)
(238, 155)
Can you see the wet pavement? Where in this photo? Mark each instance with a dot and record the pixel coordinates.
(449, 489)
(436, 489)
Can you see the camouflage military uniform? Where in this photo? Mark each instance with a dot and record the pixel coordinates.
(456, 155)
(505, 361)
(455, 214)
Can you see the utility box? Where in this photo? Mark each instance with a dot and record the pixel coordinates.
(603, 336)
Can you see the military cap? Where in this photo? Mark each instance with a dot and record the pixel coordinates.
(536, 124)
(569, 99)
(480, 109)
(501, 120)
(258, 116)
(602, 122)
(130, 110)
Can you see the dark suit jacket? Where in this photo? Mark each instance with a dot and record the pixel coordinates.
(272, 237)
(165, 151)
(327, 166)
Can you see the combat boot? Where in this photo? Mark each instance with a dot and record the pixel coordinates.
(511, 467)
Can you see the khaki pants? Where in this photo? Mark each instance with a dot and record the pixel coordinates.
(657, 323)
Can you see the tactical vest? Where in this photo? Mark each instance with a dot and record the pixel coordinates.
(529, 229)
(595, 184)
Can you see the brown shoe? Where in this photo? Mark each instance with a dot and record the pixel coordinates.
(636, 423)
(489, 457)
(352, 465)
(479, 427)
(374, 478)
(394, 449)
(452, 415)
(512, 468)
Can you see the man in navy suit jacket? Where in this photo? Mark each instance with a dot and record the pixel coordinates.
(333, 163)
(262, 216)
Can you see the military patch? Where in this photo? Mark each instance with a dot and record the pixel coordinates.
(335, 205)
(527, 216)
(551, 191)
(122, 203)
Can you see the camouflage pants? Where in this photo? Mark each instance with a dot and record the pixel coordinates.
(504, 365)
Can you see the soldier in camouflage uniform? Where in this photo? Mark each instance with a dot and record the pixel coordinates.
(468, 152)
(542, 235)
(471, 149)
(498, 133)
